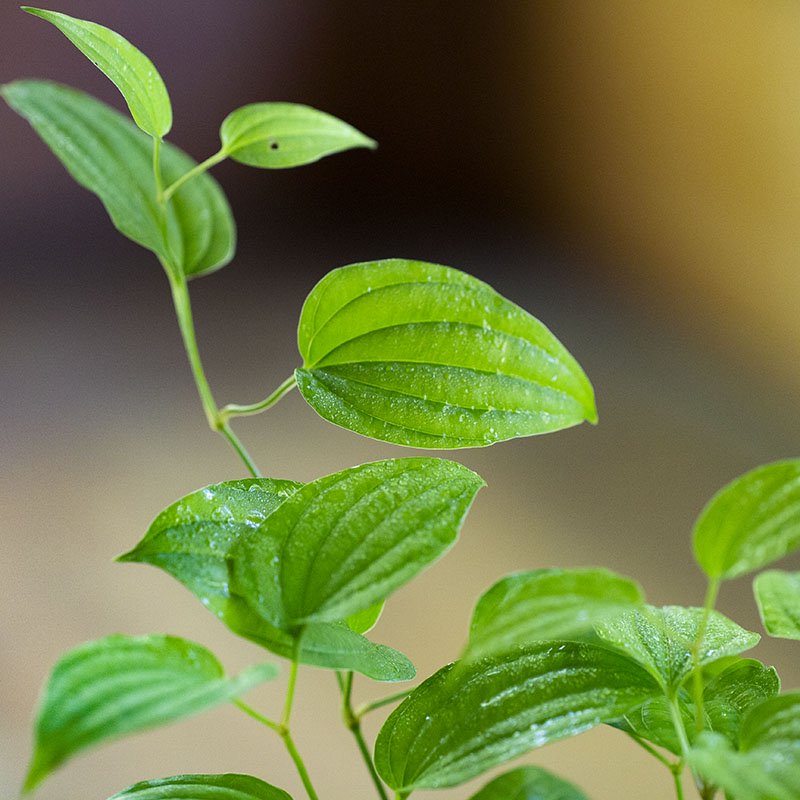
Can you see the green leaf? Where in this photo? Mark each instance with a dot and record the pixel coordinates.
(778, 597)
(279, 135)
(727, 697)
(334, 645)
(122, 684)
(546, 604)
(529, 783)
(105, 153)
(363, 621)
(462, 722)
(347, 541)
(661, 640)
(203, 787)
(193, 540)
(761, 774)
(767, 766)
(426, 356)
(751, 522)
(130, 70)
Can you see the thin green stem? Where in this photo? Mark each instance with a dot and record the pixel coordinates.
(234, 410)
(299, 764)
(353, 723)
(183, 311)
(677, 723)
(365, 708)
(157, 170)
(697, 679)
(198, 169)
(258, 717)
(676, 777)
(237, 445)
(290, 687)
(670, 765)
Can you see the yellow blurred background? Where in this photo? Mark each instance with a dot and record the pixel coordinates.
(629, 172)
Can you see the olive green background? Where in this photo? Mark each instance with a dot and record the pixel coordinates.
(628, 172)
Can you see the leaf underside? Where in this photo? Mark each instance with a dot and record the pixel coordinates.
(108, 155)
(130, 70)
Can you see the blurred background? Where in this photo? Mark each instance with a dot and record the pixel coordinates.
(629, 172)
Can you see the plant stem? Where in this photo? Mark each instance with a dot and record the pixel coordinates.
(676, 776)
(353, 723)
(697, 678)
(290, 687)
(653, 752)
(677, 723)
(234, 410)
(183, 310)
(237, 445)
(365, 708)
(258, 717)
(198, 169)
(157, 170)
(301, 767)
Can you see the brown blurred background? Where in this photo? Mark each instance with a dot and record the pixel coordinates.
(627, 171)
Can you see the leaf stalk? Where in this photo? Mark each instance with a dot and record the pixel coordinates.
(198, 169)
(352, 722)
(235, 410)
(697, 678)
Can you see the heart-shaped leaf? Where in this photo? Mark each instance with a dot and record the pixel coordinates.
(462, 722)
(122, 684)
(529, 783)
(778, 597)
(426, 356)
(130, 70)
(661, 640)
(279, 135)
(203, 787)
(546, 604)
(767, 765)
(346, 541)
(105, 153)
(193, 540)
(751, 522)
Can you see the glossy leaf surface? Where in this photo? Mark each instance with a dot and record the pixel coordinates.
(427, 356)
(751, 522)
(279, 135)
(661, 639)
(767, 767)
(728, 696)
(778, 597)
(462, 722)
(122, 684)
(130, 70)
(529, 783)
(346, 541)
(194, 539)
(203, 787)
(106, 154)
(547, 604)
